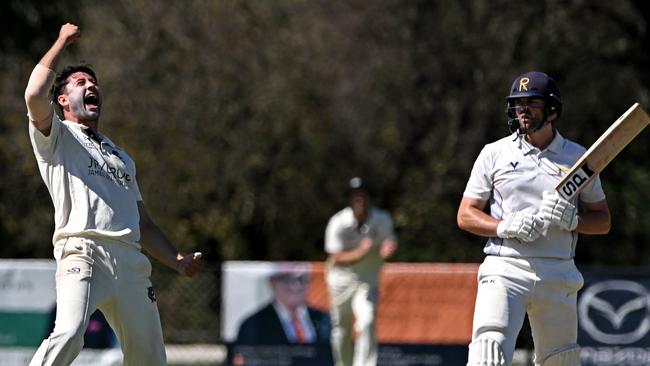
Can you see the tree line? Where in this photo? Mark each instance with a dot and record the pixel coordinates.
(246, 118)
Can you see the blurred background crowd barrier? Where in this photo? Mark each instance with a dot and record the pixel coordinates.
(424, 318)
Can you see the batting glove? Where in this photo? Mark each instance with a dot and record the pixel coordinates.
(522, 226)
(558, 211)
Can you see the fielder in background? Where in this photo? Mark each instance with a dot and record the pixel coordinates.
(527, 271)
(101, 222)
(358, 239)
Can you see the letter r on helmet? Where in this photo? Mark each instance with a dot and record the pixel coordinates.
(523, 84)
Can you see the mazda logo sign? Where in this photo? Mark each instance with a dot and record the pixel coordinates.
(598, 298)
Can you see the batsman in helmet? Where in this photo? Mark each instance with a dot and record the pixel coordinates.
(531, 231)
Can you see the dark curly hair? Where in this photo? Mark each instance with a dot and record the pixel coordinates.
(62, 80)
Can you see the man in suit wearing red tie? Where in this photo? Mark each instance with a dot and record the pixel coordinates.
(287, 319)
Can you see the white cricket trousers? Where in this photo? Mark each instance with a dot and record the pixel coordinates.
(545, 288)
(114, 277)
(350, 296)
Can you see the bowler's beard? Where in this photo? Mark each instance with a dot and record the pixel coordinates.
(79, 110)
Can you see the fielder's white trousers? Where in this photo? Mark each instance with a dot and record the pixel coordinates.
(351, 297)
(113, 277)
(545, 288)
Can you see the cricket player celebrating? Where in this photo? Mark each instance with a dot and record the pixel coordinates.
(527, 271)
(358, 239)
(101, 222)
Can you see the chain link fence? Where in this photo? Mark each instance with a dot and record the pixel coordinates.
(190, 315)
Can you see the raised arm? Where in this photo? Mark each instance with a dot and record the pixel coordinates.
(39, 108)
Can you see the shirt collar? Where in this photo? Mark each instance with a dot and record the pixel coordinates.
(88, 132)
(100, 138)
(285, 314)
(353, 218)
(557, 143)
(555, 146)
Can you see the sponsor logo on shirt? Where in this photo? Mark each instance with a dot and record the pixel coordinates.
(512, 168)
(114, 174)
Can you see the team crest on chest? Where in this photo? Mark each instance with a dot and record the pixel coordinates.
(514, 168)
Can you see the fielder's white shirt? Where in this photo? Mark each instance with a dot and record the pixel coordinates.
(343, 233)
(92, 185)
(512, 175)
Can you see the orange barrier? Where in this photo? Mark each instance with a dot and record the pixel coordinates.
(420, 303)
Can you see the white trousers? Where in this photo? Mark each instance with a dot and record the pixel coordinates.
(545, 288)
(114, 278)
(353, 298)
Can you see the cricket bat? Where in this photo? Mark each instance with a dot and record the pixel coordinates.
(603, 151)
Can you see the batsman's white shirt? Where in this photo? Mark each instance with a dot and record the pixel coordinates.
(343, 233)
(512, 175)
(92, 185)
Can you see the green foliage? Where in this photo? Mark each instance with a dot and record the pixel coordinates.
(245, 118)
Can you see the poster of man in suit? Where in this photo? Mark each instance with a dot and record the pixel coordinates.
(268, 319)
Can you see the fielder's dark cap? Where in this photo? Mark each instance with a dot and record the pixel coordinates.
(356, 184)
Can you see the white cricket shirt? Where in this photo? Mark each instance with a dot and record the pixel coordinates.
(92, 185)
(512, 175)
(343, 233)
